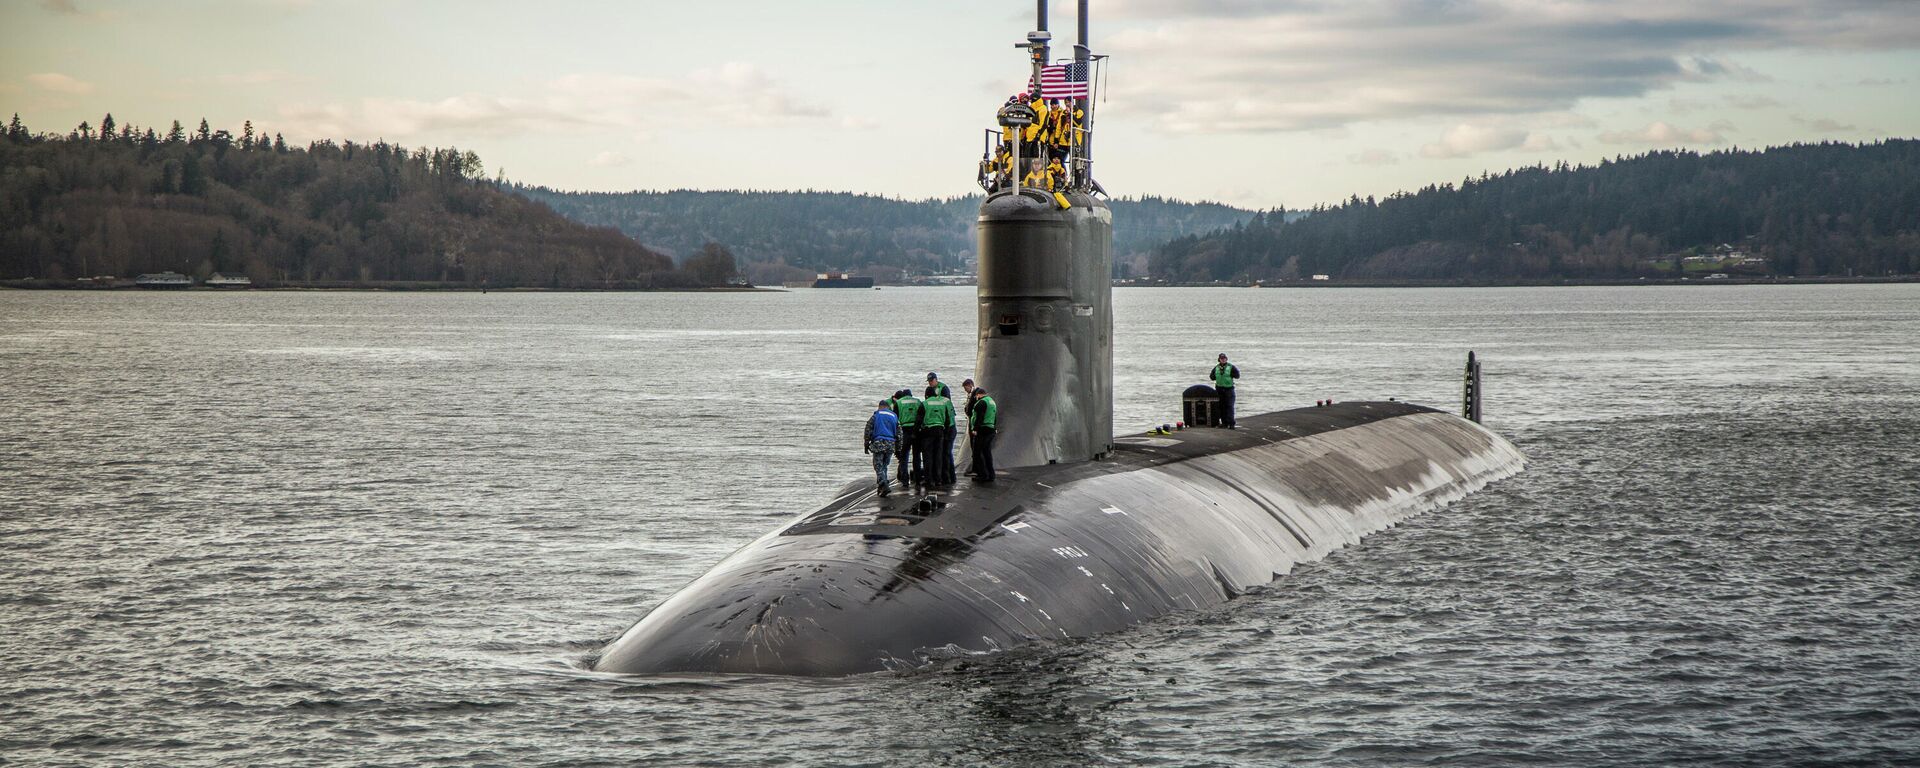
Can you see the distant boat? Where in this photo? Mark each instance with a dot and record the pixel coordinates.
(841, 280)
(163, 280)
(224, 280)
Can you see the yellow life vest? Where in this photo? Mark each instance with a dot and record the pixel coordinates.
(1040, 111)
(1059, 128)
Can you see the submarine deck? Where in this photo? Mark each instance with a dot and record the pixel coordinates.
(970, 508)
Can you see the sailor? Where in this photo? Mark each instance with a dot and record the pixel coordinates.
(1224, 375)
(972, 395)
(1030, 136)
(912, 460)
(934, 385)
(936, 437)
(966, 411)
(1060, 127)
(982, 424)
(882, 436)
(1037, 175)
(1047, 178)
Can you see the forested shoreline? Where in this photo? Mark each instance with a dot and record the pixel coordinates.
(782, 236)
(1829, 209)
(120, 200)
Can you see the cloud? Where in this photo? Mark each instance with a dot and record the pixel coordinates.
(1824, 124)
(1209, 66)
(1537, 142)
(1731, 101)
(71, 8)
(1707, 68)
(1374, 157)
(59, 83)
(1464, 140)
(733, 94)
(609, 160)
(1468, 139)
(1881, 81)
(1664, 134)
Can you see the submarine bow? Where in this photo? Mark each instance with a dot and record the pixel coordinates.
(1167, 523)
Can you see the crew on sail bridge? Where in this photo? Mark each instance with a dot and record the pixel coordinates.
(1041, 151)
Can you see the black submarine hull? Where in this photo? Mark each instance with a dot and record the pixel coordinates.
(1167, 523)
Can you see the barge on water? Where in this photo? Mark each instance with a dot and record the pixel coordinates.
(841, 280)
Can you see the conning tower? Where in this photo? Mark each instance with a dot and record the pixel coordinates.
(1045, 288)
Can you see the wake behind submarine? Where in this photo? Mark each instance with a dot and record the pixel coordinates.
(1083, 533)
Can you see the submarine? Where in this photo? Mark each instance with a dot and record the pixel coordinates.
(1082, 533)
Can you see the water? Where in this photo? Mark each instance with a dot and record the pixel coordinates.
(333, 528)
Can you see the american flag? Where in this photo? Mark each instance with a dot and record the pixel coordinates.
(1063, 81)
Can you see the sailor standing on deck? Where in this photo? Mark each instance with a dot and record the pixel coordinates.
(982, 419)
(1224, 375)
(966, 411)
(936, 436)
(882, 435)
(913, 461)
(934, 386)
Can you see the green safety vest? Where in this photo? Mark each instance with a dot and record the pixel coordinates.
(908, 409)
(1223, 376)
(988, 411)
(939, 412)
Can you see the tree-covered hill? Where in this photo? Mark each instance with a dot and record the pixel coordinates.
(811, 231)
(121, 200)
(1807, 209)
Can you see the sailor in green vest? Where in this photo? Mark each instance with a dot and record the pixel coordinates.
(936, 437)
(1224, 375)
(982, 422)
(912, 461)
(934, 385)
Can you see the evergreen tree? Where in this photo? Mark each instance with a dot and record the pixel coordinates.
(176, 134)
(17, 130)
(205, 133)
(107, 128)
(246, 135)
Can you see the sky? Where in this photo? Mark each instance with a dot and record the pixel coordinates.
(1257, 103)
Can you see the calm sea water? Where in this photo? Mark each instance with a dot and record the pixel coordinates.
(364, 528)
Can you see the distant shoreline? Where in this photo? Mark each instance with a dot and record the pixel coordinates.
(1532, 283)
(75, 285)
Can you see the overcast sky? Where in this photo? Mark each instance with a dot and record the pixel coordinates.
(1251, 102)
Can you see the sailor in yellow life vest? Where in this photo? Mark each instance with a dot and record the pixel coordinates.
(1044, 177)
(1062, 123)
(1030, 136)
(1037, 176)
